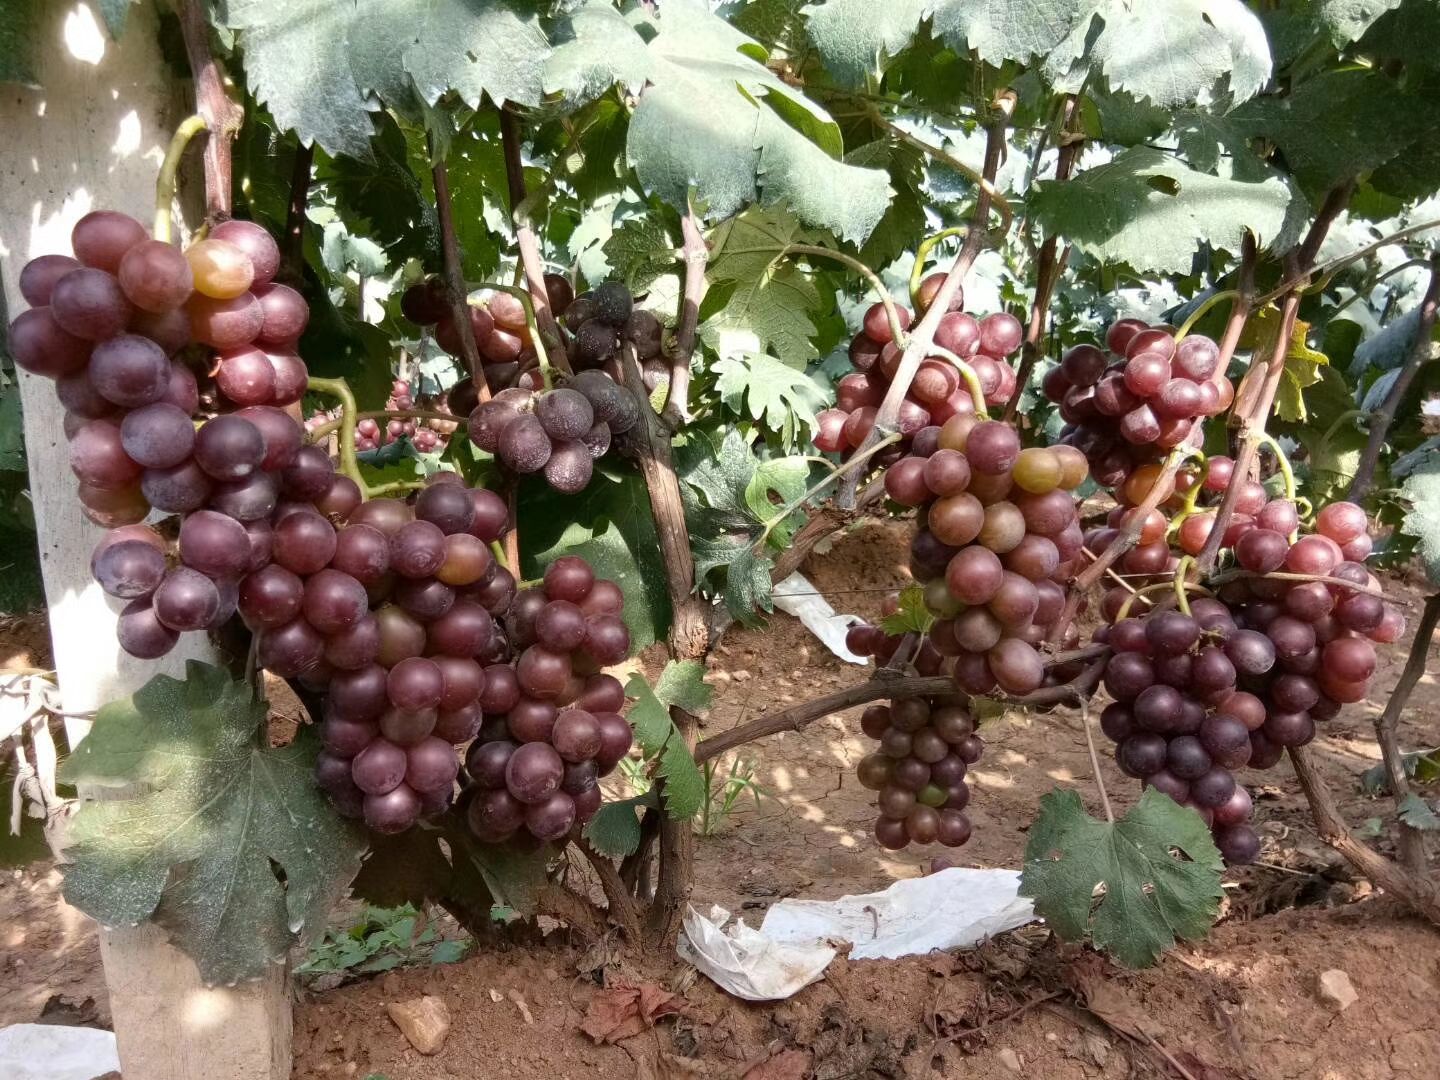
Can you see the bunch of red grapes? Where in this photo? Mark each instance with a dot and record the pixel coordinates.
(1248, 673)
(552, 724)
(1000, 538)
(937, 392)
(1125, 407)
(926, 747)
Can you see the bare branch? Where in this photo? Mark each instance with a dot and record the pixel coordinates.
(528, 243)
(223, 114)
(696, 255)
(455, 278)
(1412, 840)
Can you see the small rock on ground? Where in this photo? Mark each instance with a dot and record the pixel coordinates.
(1009, 1059)
(1336, 990)
(424, 1021)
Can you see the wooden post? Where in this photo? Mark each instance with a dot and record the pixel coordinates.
(94, 137)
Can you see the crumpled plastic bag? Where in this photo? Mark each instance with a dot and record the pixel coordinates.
(747, 963)
(953, 909)
(796, 596)
(56, 1052)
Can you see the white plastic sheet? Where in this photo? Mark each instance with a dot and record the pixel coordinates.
(796, 596)
(953, 909)
(56, 1052)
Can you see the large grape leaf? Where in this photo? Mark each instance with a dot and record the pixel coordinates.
(1341, 123)
(323, 67)
(228, 844)
(1303, 364)
(657, 736)
(1157, 866)
(713, 121)
(1348, 20)
(1171, 54)
(1149, 210)
(611, 526)
(1422, 521)
(774, 394)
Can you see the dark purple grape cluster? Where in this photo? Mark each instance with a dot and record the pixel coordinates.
(1124, 408)
(937, 391)
(918, 772)
(558, 433)
(601, 320)
(552, 724)
(999, 539)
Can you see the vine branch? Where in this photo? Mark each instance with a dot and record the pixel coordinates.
(455, 276)
(696, 254)
(1381, 419)
(223, 115)
(526, 240)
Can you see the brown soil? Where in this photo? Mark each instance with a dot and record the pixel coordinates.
(1242, 1004)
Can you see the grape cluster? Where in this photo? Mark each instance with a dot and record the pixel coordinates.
(552, 719)
(1247, 673)
(1000, 537)
(937, 391)
(556, 432)
(1144, 396)
(605, 318)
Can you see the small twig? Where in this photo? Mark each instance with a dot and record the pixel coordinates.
(984, 182)
(526, 240)
(1095, 759)
(293, 260)
(455, 277)
(697, 254)
(892, 313)
(1328, 270)
(1412, 840)
(1381, 419)
(223, 114)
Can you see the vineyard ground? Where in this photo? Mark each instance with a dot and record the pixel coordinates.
(1244, 1003)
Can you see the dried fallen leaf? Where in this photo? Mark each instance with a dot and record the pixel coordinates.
(1108, 1000)
(1202, 1070)
(627, 1009)
(786, 1065)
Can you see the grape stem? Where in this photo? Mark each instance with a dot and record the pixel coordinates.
(857, 459)
(892, 314)
(977, 392)
(1199, 313)
(922, 253)
(1285, 575)
(1185, 565)
(922, 337)
(169, 173)
(498, 550)
(394, 487)
(1177, 584)
(540, 315)
(455, 289)
(1412, 840)
(1052, 260)
(324, 431)
(1085, 722)
(349, 463)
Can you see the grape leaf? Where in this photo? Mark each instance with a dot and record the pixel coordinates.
(774, 22)
(1348, 20)
(610, 525)
(216, 815)
(658, 737)
(411, 868)
(682, 683)
(1388, 349)
(1422, 521)
(640, 250)
(912, 617)
(1170, 54)
(1302, 363)
(756, 138)
(1340, 124)
(1157, 865)
(19, 33)
(615, 828)
(320, 66)
(1145, 208)
(770, 392)
(1417, 813)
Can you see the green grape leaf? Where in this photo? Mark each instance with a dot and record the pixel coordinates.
(640, 251)
(756, 138)
(611, 526)
(1157, 866)
(682, 683)
(774, 22)
(912, 617)
(1170, 54)
(1418, 814)
(216, 819)
(319, 66)
(730, 490)
(1422, 490)
(658, 737)
(1302, 363)
(615, 828)
(1348, 20)
(19, 35)
(1388, 349)
(12, 427)
(1340, 124)
(771, 392)
(1149, 210)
